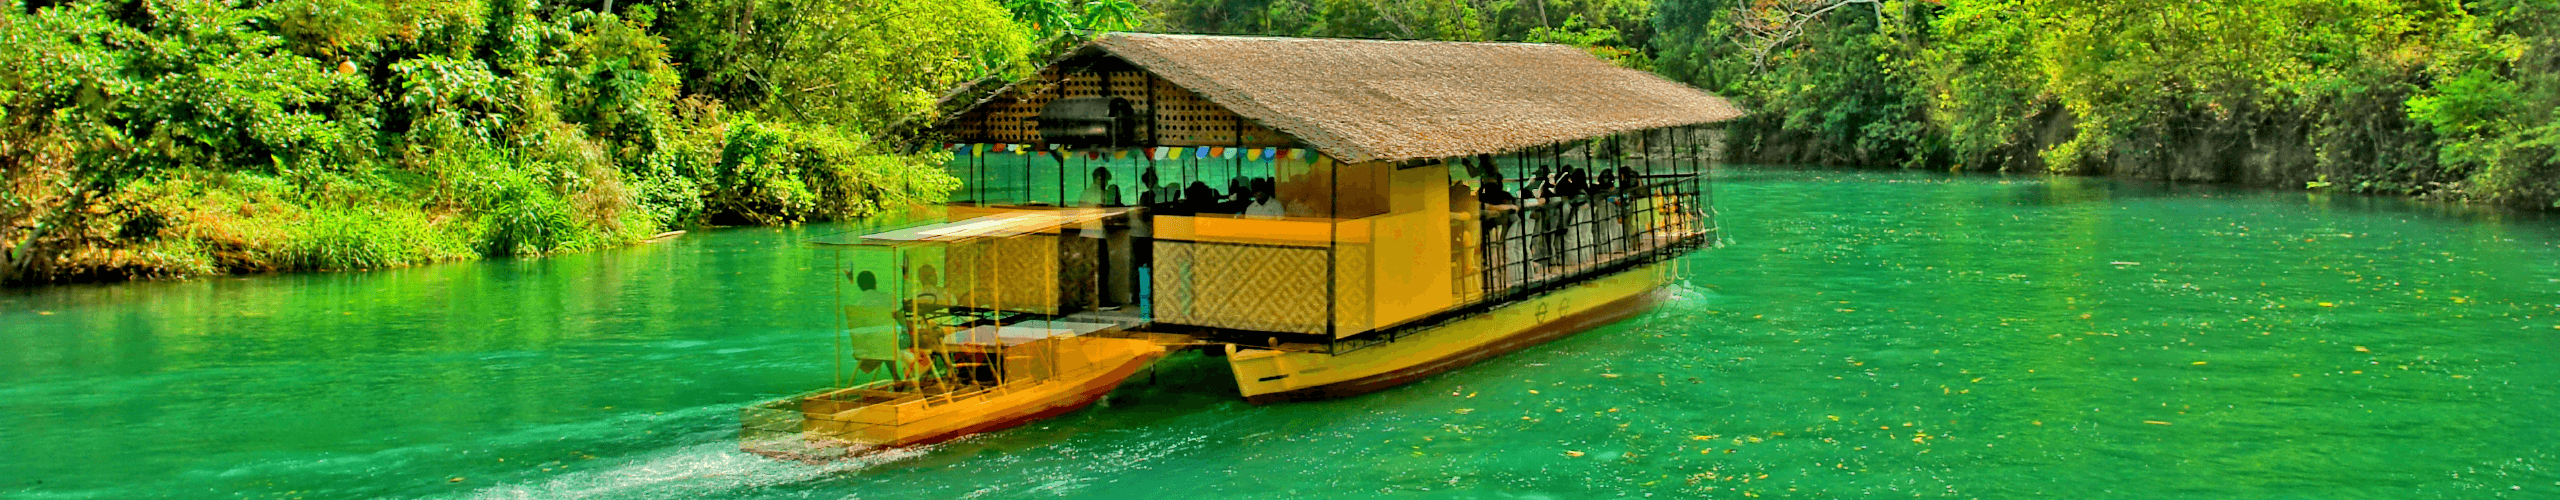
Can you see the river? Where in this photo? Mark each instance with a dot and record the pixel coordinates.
(1881, 334)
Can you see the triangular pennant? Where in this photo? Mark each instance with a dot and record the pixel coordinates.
(1200, 152)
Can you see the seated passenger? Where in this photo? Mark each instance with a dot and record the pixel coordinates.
(1265, 205)
(1150, 193)
(1199, 199)
(1239, 196)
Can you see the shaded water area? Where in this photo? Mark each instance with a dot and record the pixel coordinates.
(1865, 334)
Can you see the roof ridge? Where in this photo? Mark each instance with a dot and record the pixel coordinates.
(1325, 39)
(1362, 100)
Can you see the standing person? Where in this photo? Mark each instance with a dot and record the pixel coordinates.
(1604, 212)
(1537, 220)
(1101, 192)
(1629, 193)
(1115, 279)
(1152, 198)
(1150, 192)
(1630, 201)
(1466, 270)
(1503, 256)
(1574, 190)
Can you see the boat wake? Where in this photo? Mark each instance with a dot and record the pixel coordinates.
(709, 469)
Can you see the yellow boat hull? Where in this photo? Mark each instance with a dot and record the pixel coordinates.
(833, 421)
(1265, 376)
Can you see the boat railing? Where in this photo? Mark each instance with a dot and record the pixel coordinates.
(1553, 242)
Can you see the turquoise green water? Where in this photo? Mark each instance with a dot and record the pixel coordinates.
(1880, 335)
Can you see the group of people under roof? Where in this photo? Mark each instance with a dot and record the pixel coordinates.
(1560, 216)
(1255, 197)
(1563, 215)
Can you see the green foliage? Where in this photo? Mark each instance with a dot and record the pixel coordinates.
(1846, 92)
(1598, 40)
(861, 65)
(175, 137)
(1627, 21)
(2400, 96)
(523, 217)
(769, 173)
(2495, 107)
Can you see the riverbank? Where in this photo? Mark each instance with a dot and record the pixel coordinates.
(2437, 101)
(2434, 100)
(195, 138)
(207, 223)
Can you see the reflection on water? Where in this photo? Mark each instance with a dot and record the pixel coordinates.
(1866, 334)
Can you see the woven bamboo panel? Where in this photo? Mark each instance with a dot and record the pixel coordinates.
(1185, 118)
(1012, 117)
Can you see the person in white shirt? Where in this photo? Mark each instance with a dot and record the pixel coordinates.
(1265, 204)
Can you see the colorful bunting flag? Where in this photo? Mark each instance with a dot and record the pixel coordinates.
(1270, 153)
(979, 149)
(1200, 152)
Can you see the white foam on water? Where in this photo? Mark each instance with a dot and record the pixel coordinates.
(702, 470)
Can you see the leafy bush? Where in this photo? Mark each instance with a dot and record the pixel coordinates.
(179, 137)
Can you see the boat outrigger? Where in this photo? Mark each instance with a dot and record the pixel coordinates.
(1333, 217)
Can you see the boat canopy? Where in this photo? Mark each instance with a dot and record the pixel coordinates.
(1316, 194)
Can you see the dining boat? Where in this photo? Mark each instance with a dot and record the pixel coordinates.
(1332, 217)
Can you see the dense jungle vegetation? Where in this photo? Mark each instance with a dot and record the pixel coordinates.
(2436, 98)
(147, 138)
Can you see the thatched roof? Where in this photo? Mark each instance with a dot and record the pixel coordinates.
(1361, 100)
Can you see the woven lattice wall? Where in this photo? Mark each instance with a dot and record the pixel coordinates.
(1180, 117)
